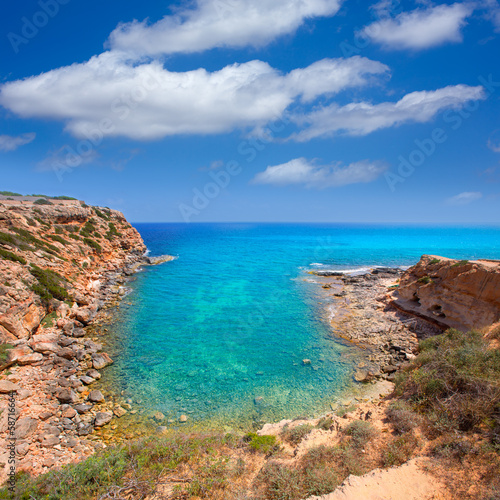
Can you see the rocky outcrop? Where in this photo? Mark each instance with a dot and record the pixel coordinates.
(451, 293)
(60, 265)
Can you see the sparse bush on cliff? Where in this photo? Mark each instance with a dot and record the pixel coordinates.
(399, 450)
(425, 280)
(49, 284)
(88, 229)
(4, 352)
(455, 381)
(93, 244)
(112, 232)
(402, 417)
(264, 444)
(294, 435)
(101, 214)
(12, 256)
(460, 263)
(58, 238)
(434, 261)
(42, 201)
(360, 432)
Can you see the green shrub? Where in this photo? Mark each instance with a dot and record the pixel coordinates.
(49, 284)
(325, 423)
(101, 214)
(434, 261)
(460, 263)
(93, 244)
(42, 201)
(30, 222)
(58, 238)
(74, 237)
(264, 444)
(63, 198)
(112, 231)
(4, 352)
(399, 450)
(12, 256)
(48, 321)
(88, 229)
(9, 193)
(294, 435)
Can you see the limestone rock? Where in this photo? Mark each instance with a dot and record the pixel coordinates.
(67, 396)
(6, 386)
(103, 418)
(101, 360)
(96, 396)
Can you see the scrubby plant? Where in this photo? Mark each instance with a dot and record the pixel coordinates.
(325, 423)
(425, 280)
(49, 284)
(9, 193)
(93, 244)
(402, 417)
(42, 201)
(434, 261)
(294, 435)
(455, 381)
(4, 352)
(399, 450)
(460, 263)
(264, 444)
(360, 432)
(58, 238)
(12, 256)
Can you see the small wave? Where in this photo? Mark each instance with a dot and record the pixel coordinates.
(316, 264)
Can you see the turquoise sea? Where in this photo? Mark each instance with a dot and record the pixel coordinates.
(219, 334)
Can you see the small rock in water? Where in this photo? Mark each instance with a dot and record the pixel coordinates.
(96, 396)
(119, 411)
(182, 419)
(158, 416)
(259, 373)
(258, 400)
(306, 362)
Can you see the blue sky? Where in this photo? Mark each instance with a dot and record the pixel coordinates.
(232, 110)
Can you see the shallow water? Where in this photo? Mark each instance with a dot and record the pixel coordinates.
(219, 334)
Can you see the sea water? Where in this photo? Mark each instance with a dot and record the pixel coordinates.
(220, 334)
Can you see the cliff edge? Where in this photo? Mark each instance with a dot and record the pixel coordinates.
(451, 293)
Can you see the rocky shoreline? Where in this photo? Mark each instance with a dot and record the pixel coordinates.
(360, 310)
(54, 357)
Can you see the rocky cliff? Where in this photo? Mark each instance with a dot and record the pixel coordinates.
(60, 263)
(451, 293)
(53, 260)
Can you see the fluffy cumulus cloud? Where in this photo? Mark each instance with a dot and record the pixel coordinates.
(464, 198)
(422, 28)
(219, 23)
(363, 118)
(305, 172)
(11, 143)
(109, 96)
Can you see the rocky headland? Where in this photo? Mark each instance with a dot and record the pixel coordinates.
(62, 263)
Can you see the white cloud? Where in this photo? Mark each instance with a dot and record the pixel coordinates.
(109, 96)
(492, 8)
(303, 171)
(363, 118)
(464, 198)
(11, 143)
(421, 28)
(219, 23)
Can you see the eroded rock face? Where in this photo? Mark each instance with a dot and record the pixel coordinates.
(452, 293)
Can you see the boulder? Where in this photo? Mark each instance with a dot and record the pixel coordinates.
(87, 380)
(101, 360)
(50, 440)
(82, 408)
(66, 353)
(6, 386)
(84, 315)
(94, 374)
(67, 396)
(78, 332)
(102, 418)
(96, 396)
(25, 427)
